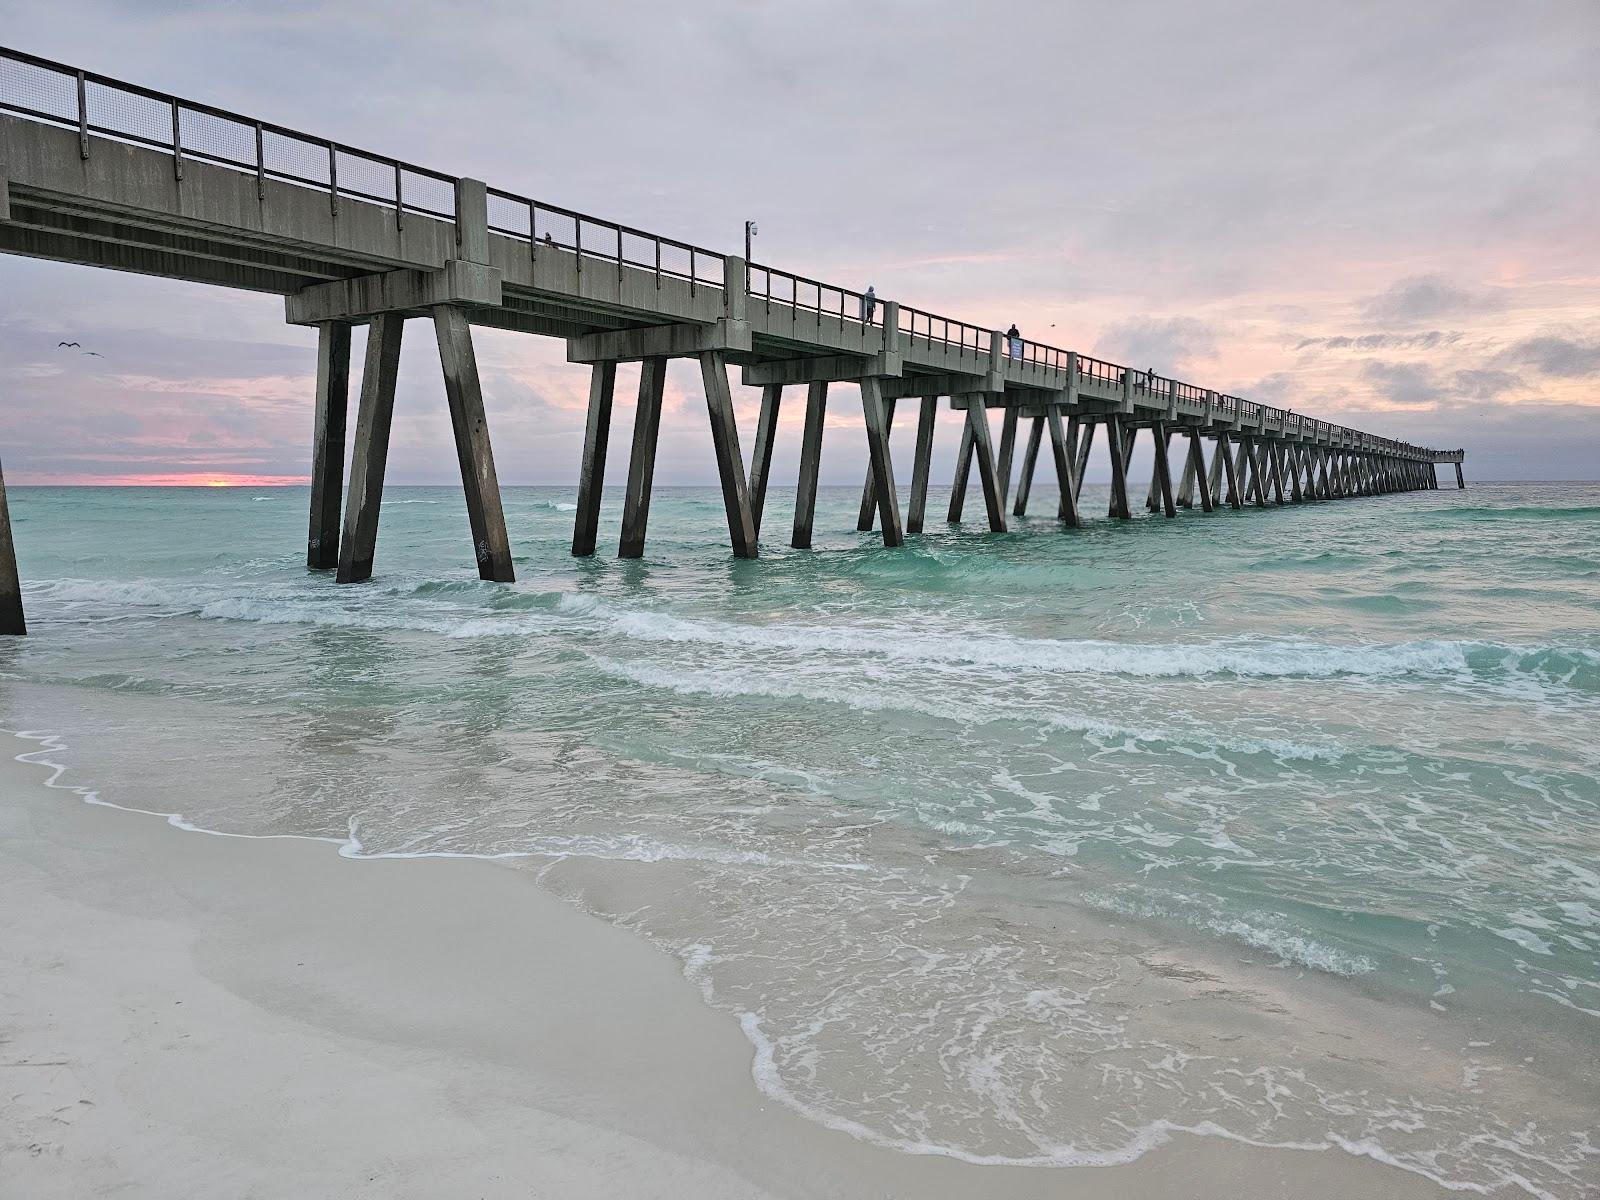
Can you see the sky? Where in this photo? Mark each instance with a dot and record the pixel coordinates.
(1381, 214)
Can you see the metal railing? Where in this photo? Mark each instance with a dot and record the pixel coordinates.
(550, 227)
(918, 324)
(1097, 370)
(771, 286)
(97, 105)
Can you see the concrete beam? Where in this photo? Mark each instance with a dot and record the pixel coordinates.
(658, 341)
(931, 385)
(191, 245)
(404, 291)
(838, 368)
(38, 243)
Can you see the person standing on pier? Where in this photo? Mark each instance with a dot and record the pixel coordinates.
(1013, 342)
(869, 305)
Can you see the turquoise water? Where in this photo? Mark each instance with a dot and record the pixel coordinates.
(1035, 847)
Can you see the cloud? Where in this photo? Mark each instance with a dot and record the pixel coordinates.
(1424, 297)
(1168, 343)
(1431, 340)
(1484, 383)
(1405, 383)
(1550, 354)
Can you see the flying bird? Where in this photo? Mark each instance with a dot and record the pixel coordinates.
(94, 354)
(60, 344)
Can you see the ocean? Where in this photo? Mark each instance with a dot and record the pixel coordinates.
(1040, 847)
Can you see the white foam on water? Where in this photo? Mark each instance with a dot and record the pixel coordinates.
(1257, 931)
(1254, 658)
(743, 681)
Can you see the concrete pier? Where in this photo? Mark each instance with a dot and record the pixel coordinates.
(358, 238)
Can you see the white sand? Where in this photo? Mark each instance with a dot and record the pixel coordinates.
(184, 1015)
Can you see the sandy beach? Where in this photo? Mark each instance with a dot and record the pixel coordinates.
(194, 1015)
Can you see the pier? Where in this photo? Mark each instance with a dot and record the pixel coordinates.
(99, 172)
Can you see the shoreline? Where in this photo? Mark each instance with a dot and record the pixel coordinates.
(257, 1015)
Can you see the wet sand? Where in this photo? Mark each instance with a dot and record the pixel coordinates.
(184, 1014)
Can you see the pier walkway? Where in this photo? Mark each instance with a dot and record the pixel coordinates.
(103, 173)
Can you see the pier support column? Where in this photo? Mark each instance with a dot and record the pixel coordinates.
(730, 463)
(761, 452)
(11, 618)
(1231, 465)
(1258, 479)
(371, 455)
(464, 391)
(1085, 443)
(1152, 497)
(805, 494)
(642, 459)
(1062, 450)
(1274, 453)
(958, 483)
(923, 464)
(878, 413)
(869, 495)
(1194, 471)
(327, 443)
(1213, 478)
(1030, 459)
(1163, 471)
(1008, 448)
(592, 469)
(1120, 443)
(1185, 494)
(988, 474)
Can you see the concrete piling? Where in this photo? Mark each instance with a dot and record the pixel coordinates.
(327, 447)
(1008, 446)
(877, 412)
(869, 496)
(370, 457)
(1120, 444)
(922, 464)
(11, 618)
(1030, 460)
(725, 444)
(761, 452)
(642, 459)
(1061, 450)
(805, 498)
(464, 392)
(592, 467)
(958, 484)
(988, 473)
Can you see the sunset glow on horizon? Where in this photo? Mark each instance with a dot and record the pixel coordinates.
(194, 479)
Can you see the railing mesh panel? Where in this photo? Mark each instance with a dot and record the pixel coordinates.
(360, 175)
(127, 114)
(429, 193)
(295, 158)
(53, 93)
(508, 216)
(219, 137)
